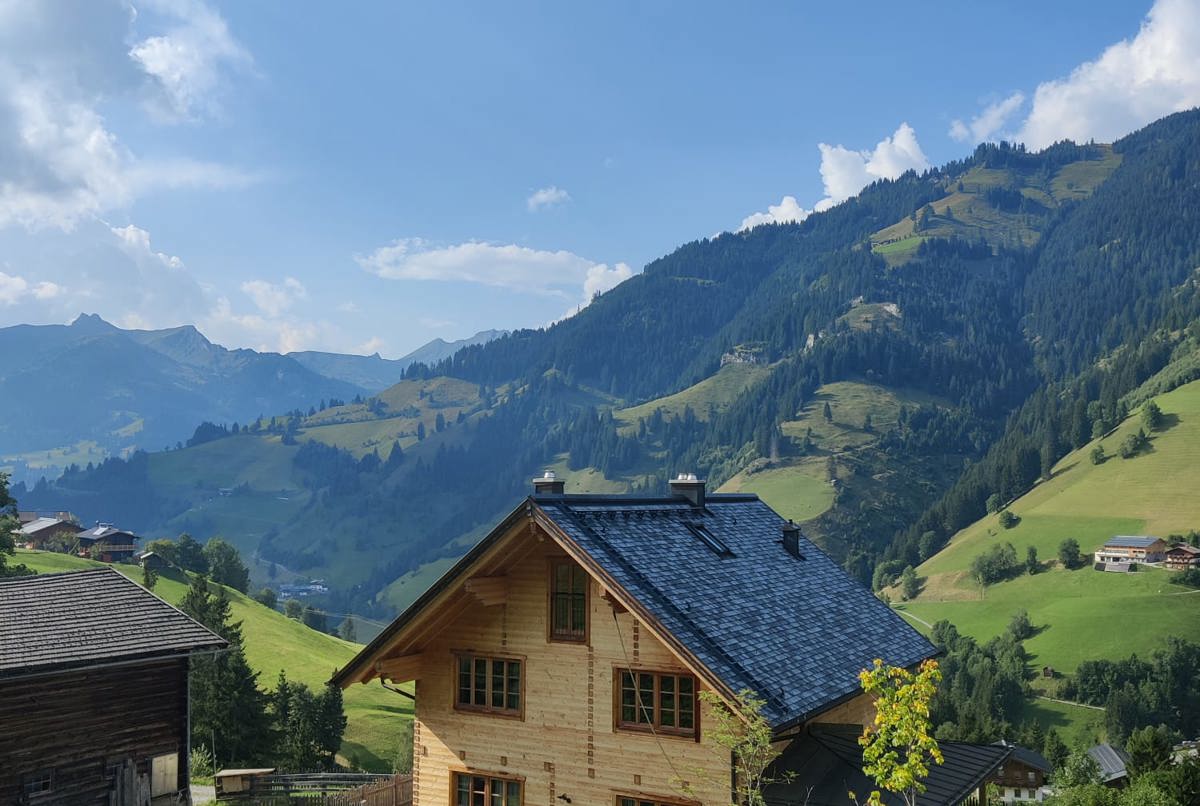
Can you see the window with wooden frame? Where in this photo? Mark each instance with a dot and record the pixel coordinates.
(651, 800)
(656, 702)
(489, 685)
(569, 585)
(38, 785)
(474, 789)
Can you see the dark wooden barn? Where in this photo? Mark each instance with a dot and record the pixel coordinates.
(94, 691)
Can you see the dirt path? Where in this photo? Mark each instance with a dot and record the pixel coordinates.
(1069, 702)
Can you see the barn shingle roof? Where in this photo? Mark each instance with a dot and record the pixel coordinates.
(795, 631)
(50, 622)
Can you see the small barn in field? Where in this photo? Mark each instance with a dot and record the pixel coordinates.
(94, 691)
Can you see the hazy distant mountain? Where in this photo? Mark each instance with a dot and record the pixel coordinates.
(92, 381)
(375, 373)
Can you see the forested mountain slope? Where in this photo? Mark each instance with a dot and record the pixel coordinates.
(966, 327)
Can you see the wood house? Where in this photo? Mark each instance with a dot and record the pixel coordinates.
(562, 659)
(108, 544)
(1132, 549)
(37, 533)
(1022, 777)
(1183, 557)
(93, 691)
(1113, 763)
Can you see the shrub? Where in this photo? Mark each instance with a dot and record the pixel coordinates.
(1008, 519)
(995, 564)
(1068, 553)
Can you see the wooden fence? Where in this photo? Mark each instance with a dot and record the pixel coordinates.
(322, 789)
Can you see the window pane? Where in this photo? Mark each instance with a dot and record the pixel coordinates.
(645, 698)
(687, 703)
(666, 701)
(513, 702)
(464, 681)
(514, 794)
(478, 791)
(498, 683)
(462, 789)
(578, 580)
(481, 681)
(578, 615)
(561, 613)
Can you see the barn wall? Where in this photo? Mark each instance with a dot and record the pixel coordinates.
(81, 724)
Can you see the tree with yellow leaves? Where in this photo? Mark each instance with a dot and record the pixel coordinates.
(898, 746)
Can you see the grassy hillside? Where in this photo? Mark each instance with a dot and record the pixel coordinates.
(714, 393)
(799, 487)
(274, 643)
(966, 212)
(1082, 613)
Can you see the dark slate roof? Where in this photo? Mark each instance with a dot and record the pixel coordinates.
(820, 767)
(1112, 761)
(796, 631)
(1132, 541)
(103, 532)
(50, 622)
(1028, 757)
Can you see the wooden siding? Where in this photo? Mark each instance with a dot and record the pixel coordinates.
(566, 743)
(80, 724)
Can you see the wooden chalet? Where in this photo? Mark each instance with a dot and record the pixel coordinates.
(108, 544)
(1022, 777)
(36, 533)
(1183, 557)
(94, 691)
(561, 660)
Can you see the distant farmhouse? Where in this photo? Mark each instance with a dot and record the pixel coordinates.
(38, 532)
(94, 691)
(562, 659)
(106, 543)
(1119, 552)
(1022, 778)
(1183, 557)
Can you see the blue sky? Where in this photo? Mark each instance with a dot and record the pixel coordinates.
(366, 176)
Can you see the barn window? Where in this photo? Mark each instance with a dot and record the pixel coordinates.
(656, 702)
(568, 602)
(485, 790)
(490, 685)
(39, 783)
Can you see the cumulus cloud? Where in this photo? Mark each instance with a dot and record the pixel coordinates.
(1132, 83)
(136, 241)
(60, 63)
(987, 124)
(187, 61)
(788, 211)
(14, 289)
(273, 299)
(547, 197)
(846, 171)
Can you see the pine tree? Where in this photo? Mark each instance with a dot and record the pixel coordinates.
(228, 710)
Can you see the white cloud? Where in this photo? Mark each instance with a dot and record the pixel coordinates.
(136, 240)
(601, 278)
(1132, 83)
(187, 61)
(547, 197)
(371, 346)
(846, 171)
(518, 268)
(60, 64)
(987, 124)
(788, 211)
(273, 299)
(14, 289)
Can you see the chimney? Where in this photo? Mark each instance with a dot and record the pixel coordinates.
(791, 539)
(686, 485)
(548, 484)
